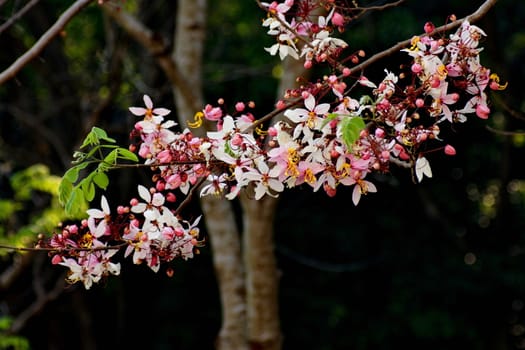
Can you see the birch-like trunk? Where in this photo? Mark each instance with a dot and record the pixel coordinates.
(218, 214)
(262, 282)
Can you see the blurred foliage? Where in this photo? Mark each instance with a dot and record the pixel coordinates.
(438, 265)
(11, 342)
(32, 209)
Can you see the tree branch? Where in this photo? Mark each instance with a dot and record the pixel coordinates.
(18, 15)
(475, 16)
(144, 36)
(44, 40)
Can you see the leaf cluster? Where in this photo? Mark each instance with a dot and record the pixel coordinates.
(100, 152)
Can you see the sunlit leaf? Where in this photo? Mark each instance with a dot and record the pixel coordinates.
(350, 129)
(101, 180)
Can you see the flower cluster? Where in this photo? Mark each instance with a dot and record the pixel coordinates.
(327, 139)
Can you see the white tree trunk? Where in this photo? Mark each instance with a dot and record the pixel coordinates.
(262, 281)
(218, 214)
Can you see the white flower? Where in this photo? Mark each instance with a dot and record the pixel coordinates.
(423, 168)
(101, 215)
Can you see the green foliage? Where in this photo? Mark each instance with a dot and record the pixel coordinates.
(11, 342)
(26, 184)
(351, 127)
(74, 191)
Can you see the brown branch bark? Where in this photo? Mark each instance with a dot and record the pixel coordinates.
(44, 40)
(475, 16)
(158, 49)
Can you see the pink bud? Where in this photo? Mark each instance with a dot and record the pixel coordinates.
(239, 106)
(272, 131)
(416, 68)
(280, 104)
(449, 150)
(482, 111)
(346, 71)
(380, 133)
(305, 94)
(338, 20)
(56, 259)
(429, 27)
(308, 64)
(170, 197)
(330, 191)
(404, 155)
(160, 186)
(420, 102)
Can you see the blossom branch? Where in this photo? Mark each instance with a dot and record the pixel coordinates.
(475, 16)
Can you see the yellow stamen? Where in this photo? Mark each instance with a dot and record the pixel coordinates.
(494, 77)
(260, 131)
(415, 40)
(198, 120)
(363, 186)
(309, 176)
(86, 241)
(442, 71)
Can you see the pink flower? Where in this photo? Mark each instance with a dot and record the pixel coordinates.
(212, 113)
(149, 111)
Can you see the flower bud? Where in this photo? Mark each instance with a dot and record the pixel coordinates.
(449, 150)
(482, 111)
(338, 20)
(429, 27)
(239, 106)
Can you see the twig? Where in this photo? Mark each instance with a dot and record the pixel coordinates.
(17, 15)
(156, 47)
(475, 16)
(44, 40)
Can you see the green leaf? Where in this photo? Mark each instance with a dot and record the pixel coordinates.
(350, 129)
(88, 187)
(111, 158)
(128, 155)
(102, 135)
(101, 180)
(75, 202)
(65, 190)
(72, 174)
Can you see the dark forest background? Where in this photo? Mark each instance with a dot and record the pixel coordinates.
(437, 265)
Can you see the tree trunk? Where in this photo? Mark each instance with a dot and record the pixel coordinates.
(218, 213)
(262, 282)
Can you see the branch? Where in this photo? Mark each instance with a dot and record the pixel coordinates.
(18, 15)
(475, 16)
(144, 36)
(43, 297)
(44, 40)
